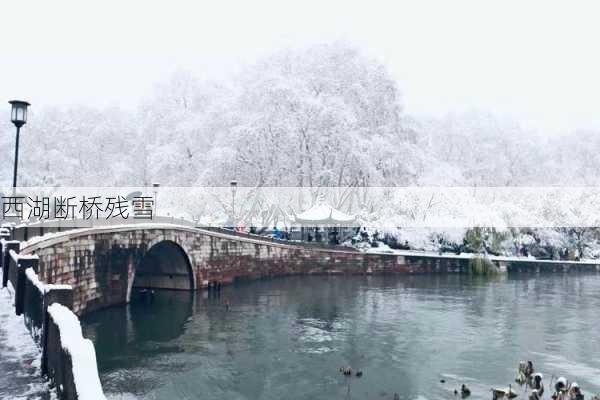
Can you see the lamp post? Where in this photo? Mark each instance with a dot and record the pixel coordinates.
(233, 185)
(18, 116)
(156, 186)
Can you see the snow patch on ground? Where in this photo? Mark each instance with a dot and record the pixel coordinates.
(20, 375)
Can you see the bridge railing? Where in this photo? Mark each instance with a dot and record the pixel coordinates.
(29, 229)
(25, 230)
(71, 359)
(33, 305)
(68, 359)
(7, 245)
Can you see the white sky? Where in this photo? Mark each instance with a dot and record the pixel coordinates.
(538, 61)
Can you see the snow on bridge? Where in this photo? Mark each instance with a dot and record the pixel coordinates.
(104, 264)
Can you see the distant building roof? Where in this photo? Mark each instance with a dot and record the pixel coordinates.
(323, 214)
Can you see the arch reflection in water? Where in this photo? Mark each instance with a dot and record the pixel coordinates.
(126, 331)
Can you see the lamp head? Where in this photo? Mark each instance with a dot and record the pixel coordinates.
(18, 114)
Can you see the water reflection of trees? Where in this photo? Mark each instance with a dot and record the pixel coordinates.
(394, 325)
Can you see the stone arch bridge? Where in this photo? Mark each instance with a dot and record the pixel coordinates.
(104, 264)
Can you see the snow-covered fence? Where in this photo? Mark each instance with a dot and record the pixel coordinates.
(71, 359)
(68, 359)
(7, 246)
(33, 307)
(18, 263)
(37, 297)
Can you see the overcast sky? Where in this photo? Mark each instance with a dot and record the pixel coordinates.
(538, 61)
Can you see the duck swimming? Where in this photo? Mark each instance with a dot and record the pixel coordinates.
(503, 393)
(535, 395)
(464, 391)
(521, 377)
(537, 384)
(561, 388)
(575, 392)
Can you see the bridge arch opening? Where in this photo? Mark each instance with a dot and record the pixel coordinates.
(164, 266)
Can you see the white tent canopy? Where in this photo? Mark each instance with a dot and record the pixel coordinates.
(324, 214)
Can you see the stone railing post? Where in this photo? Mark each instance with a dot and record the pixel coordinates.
(14, 231)
(22, 263)
(7, 246)
(8, 228)
(4, 233)
(58, 294)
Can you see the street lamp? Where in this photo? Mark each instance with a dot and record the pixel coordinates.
(233, 185)
(155, 186)
(18, 116)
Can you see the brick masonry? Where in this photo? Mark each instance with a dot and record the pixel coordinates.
(100, 264)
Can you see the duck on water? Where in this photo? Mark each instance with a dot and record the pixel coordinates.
(562, 389)
(526, 376)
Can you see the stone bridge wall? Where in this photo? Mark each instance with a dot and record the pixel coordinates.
(100, 263)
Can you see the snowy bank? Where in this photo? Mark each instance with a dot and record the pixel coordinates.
(18, 349)
(384, 249)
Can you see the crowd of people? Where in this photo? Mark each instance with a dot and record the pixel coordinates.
(312, 234)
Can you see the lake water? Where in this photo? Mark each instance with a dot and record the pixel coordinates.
(286, 338)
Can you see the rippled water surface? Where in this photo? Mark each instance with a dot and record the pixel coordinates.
(286, 338)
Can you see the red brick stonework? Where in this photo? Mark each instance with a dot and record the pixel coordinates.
(101, 263)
